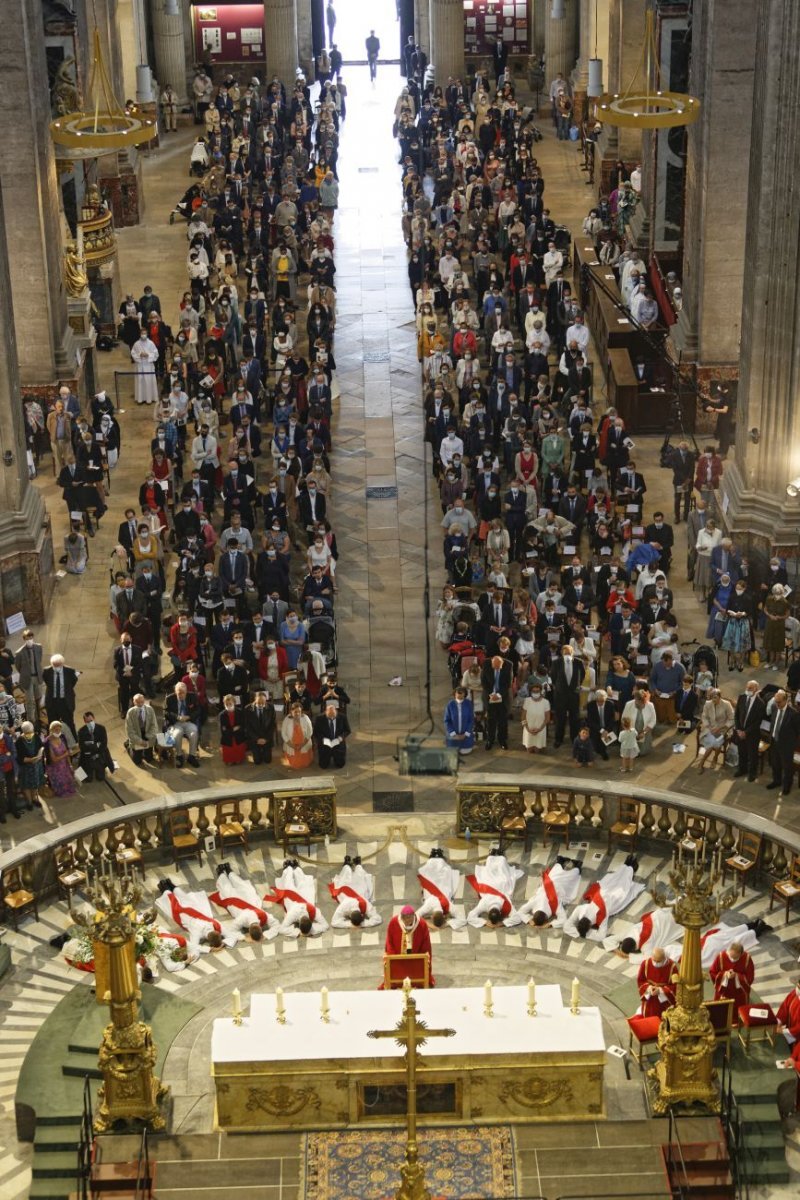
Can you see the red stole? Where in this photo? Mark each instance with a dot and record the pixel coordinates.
(230, 902)
(178, 911)
(646, 930)
(281, 895)
(346, 890)
(550, 892)
(595, 896)
(427, 886)
(486, 889)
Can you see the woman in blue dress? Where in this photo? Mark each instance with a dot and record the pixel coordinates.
(718, 612)
(738, 637)
(459, 722)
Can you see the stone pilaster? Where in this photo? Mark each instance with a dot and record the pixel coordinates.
(722, 72)
(447, 39)
(580, 74)
(755, 482)
(539, 15)
(305, 38)
(168, 45)
(625, 37)
(28, 177)
(560, 43)
(26, 549)
(280, 36)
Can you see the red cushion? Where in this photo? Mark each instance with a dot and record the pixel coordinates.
(747, 1019)
(644, 1029)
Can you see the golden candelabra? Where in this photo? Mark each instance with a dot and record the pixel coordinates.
(130, 1091)
(686, 1039)
(412, 1034)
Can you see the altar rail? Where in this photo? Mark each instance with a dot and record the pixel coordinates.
(266, 808)
(485, 802)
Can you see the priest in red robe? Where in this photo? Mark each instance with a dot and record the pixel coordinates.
(732, 973)
(789, 1017)
(409, 934)
(655, 983)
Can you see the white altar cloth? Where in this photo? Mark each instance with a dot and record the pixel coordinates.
(260, 1037)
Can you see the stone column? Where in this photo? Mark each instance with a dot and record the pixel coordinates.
(45, 346)
(560, 44)
(580, 74)
(625, 38)
(755, 482)
(305, 39)
(539, 11)
(447, 39)
(26, 549)
(722, 72)
(168, 45)
(280, 36)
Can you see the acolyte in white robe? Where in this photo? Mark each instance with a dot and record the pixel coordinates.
(195, 927)
(363, 884)
(664, 929)
(718, 939)
(144, 354)
(294, 879)
(499, 874)
(439, 872)
(232, 888)
(566, 884)
(618, 890)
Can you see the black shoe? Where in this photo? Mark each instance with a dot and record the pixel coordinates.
(16, 815)
(193, 760)
(751, 778)
(287, 862)
(488, 745)
(632, 861)
(771, 786)
(357, 861)
(179, 760)
(348, 862)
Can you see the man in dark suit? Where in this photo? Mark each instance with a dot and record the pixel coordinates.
(499, 57)
(783, 728)
(662, 536)
(579, 600)
(567, 676)
(601, 716)
(259, 727)
(233, 679)
(682, 460)
(496, 678)
(127, 533)
(199, 492)
(750, 712)
(93, 744)
(514, 511)
(311, 507)
(617, 454)
(331, 726)
(130, 600)
(59, 696)
(630, 485)
(495, 619)
(128, 670)
(573, 508)
(182, 718)
(686, 701)
(233, 573)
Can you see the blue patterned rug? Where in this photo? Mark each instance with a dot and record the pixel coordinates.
(364, 1164)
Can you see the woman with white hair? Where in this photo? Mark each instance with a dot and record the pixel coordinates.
(30, 760)
(776, 610)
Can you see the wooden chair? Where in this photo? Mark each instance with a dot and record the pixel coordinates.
(710, 754)
(69, 875)
(787, 889)
(516, 828)
(626, 827)
(296, 827)
(643, 1031)
(556, 820)
(230, 823)
(397, 967)
(126, 856)
(745, 859)
(16, 898)
(721, 1014)
(183, 841)
(695, 837)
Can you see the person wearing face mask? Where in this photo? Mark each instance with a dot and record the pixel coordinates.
(145, 355)
(234, 570)
(128, 671)
(29, 663)
(233, 741)
(749, 713)
(183, 644)
(241, 651)
(738, 636)
(94, 757)
(311, 508)
(661, 535)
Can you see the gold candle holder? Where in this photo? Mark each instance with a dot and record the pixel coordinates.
(281, 1018)
(532, 1009)
(237, 1020)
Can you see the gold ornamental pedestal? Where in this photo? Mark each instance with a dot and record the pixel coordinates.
(130, 1093)
(686, 1038)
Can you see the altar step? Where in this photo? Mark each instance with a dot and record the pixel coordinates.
(699, 1169)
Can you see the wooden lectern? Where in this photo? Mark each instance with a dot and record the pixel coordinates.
(397, 967)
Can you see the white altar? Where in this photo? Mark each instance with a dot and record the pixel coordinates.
(309, 1074)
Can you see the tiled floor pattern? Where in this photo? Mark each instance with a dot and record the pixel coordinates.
(351, 959)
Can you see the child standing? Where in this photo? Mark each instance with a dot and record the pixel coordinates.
(628, 745)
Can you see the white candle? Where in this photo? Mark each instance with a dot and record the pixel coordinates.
(487, 993)
(237, 1002)
(325, 1007)
(531, 993)
(279, 1008)
(576, 993)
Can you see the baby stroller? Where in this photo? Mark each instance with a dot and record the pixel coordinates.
(322, 633)
(705, 658)
(563, 240)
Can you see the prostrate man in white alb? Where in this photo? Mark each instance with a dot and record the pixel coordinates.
(558, 889)
(603, 900)
(297, 893)
(656, 928)
(353, 889)
(719, 939)
(494, 881)
(191, 912)
(439, 882)
(243, 904)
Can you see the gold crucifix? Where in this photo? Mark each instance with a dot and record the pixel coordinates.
(412, 1034)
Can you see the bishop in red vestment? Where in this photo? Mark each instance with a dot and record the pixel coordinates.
(655, 983)
(409, 934)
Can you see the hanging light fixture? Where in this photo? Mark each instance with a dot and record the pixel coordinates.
(558, 10)
(104, 125)
(647, 108)
(594, 87)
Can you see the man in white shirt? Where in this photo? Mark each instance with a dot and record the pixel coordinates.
(603, 900)
(578, 334)
(353, 889)
(451, 445)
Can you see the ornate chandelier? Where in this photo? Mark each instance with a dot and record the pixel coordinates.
(104, 125)
(651, 107)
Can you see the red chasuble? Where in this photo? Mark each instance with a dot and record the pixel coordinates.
(400, 941)
(658, 975)
(738, 988)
